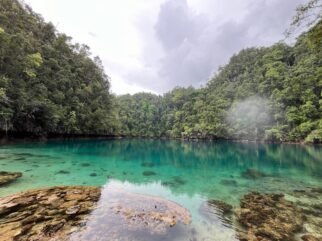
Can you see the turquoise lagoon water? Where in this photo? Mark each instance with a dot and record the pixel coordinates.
(189, 173)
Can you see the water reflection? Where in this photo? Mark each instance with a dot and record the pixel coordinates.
(198, 176)
(209, 169)
(122, 214)
(200, 154)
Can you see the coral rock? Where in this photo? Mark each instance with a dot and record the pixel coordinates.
(268, 217)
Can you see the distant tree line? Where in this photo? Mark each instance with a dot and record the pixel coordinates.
(269, 93)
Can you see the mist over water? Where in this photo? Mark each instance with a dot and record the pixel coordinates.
(249, 117)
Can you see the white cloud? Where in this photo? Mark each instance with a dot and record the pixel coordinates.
(108, 27)
(155, 45)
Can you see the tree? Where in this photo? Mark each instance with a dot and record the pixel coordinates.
(48, 84)
(307, 15)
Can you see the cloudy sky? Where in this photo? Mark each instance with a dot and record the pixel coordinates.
(155, 45)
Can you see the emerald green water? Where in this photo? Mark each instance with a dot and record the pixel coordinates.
(189, 173)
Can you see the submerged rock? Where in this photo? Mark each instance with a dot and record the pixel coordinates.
(252, 173)
(153, 215)
(85, 164)
(229, 182)
(122, 215)
(63, 172)
(178, 180)
(309, 237)
(147, 164)
(223, 207)
(268, 217)
(24, 154)
(87, 213)
(175, 181)
(73, 210)
(317, 190)
(310, 204)
(46, 214)
(149, 173)
(20, 159)
(214, 209)
(168, 184)
(6, 177)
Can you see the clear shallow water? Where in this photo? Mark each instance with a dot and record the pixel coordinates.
(184, 172)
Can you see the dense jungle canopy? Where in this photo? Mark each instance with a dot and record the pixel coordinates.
(50, 85)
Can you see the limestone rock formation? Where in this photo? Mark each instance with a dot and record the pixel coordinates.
(268, 217)
(46, 214)
(122, 215)
(252, 173)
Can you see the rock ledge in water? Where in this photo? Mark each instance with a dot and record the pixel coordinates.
(46, 214)
(123, 215)
(252, 173)
(6, 177)
(268, 217)
(310, 238)
(85, 213)
(223, 207)
(149, 210)
(217, 209)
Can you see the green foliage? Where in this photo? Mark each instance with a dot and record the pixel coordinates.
(33, 61)
(269, 93)
(274, 134)
(315, 135)
(48, 84)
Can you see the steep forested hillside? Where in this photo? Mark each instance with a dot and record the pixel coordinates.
(50, 85)
(262, 93)
(47, 83)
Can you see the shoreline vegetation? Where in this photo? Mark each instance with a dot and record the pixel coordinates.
(50, 85)
(16, 137)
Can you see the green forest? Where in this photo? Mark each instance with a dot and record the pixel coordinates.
(49, 85)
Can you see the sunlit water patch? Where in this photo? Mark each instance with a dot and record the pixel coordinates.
(190, 174)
